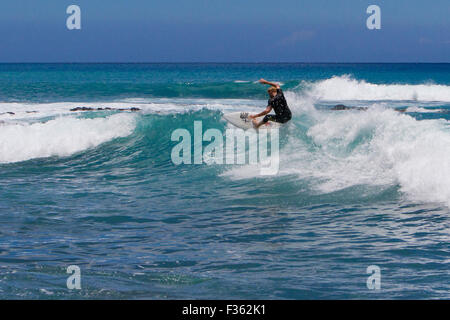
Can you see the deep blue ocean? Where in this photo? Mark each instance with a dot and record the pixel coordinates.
(98, 188)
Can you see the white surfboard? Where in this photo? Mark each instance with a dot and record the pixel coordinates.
(241, 120)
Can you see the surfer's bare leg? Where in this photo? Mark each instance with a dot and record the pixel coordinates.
(257, 124)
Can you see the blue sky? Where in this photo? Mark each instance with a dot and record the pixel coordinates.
(224, 31)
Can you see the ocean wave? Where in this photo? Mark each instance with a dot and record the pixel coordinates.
(333, 150)
(375, 148)
(62, 136)
(344, 88)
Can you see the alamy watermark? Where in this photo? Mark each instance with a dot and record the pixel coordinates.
(234, 151)
(73, 22)
(74, 281)
(374, 20)
(374, 280)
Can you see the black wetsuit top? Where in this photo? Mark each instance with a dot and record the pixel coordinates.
(282, 112)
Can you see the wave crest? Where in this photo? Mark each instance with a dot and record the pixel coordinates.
(341, 88)
(60, 137)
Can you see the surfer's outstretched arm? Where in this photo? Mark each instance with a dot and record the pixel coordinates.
(273, 84)
(257, 124)
(266, 111)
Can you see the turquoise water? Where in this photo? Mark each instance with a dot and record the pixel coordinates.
(98, 189)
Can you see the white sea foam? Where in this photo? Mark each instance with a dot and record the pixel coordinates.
(425, 110)
(345, 88)
(382, 147)
(378, 147)
(156, 105)
(62, 136)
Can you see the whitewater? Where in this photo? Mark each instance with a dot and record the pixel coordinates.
(377, 147)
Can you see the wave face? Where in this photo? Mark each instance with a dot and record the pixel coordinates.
(98, 189)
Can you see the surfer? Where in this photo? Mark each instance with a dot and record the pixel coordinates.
(277, 102)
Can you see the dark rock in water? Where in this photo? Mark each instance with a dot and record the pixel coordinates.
(342, 107)
(82, 109)
(8, 112)
(102, 109)
(31, 111)
(130, 109)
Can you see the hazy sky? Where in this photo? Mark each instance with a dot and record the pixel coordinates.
(224, 31)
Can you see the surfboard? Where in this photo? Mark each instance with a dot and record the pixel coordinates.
(241, 120)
